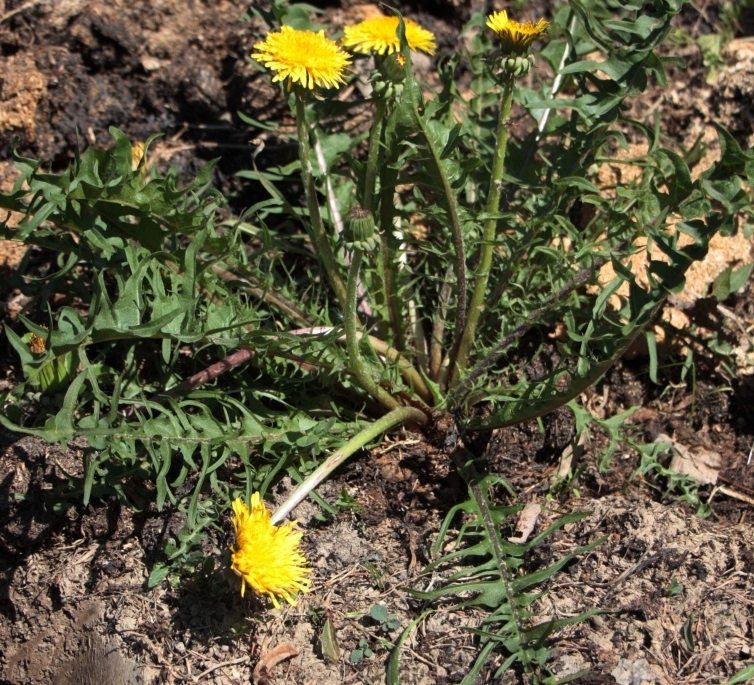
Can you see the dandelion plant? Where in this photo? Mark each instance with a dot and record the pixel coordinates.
(437, 274)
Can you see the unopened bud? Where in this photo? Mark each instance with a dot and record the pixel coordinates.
(360, 233)
(517, 66)
(394, 68)
(137, 154)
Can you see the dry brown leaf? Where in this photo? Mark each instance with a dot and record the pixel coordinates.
(271, 658)
(527, 521)
(702, 465)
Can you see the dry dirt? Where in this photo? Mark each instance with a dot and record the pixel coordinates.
(74, 607)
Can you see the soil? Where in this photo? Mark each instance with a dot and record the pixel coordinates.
(675, 589)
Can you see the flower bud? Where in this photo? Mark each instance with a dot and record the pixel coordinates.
(387, 79)
(359, 233)
(394, 68)
(516, 66)
(137, 154)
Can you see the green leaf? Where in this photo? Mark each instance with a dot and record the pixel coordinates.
(577, 182)
(743, 676)
(159, 572)
(378, 613)
(688, 632)
(679, 184)
(392, 675)
(730, 281)
(732, 157)
(330, 647)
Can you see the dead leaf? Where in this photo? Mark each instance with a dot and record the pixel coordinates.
(270, 659)
(702, 464)
(527, 521)
(572, 453)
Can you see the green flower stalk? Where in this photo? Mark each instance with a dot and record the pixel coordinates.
(387, 86)
(360, 236)
(370, 176)
(318, 232)
(305, 60)
(380, 36)
(385, 38)
(392, 418)
(482, 274)
(516, 39)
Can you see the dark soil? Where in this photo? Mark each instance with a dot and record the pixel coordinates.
(74, 607)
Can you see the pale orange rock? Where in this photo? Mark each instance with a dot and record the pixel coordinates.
(724, 251)
(11, 252)
(364, 11)
(21, 88)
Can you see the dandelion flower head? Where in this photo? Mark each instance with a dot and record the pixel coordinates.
(516, 37)
(267, 557)
(380, 35)
(304, 57)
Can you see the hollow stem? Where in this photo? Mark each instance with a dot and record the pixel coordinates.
(482, 273)
(390, 255)
(375, 135)
(355, 363)
(438, 328)
(318, 233)
(393, 418)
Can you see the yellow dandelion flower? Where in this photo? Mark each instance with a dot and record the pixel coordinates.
(304, 57)
(267, 557)
(516, 37)
(380, 35)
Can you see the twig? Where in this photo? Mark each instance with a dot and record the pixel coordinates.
(645, 561)
(420, 340)
(555, 84)
(210, 373)
(232, 662)
(732, 493)
(733, 317)
(235, 359)
(269, 296)
(21, 8)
